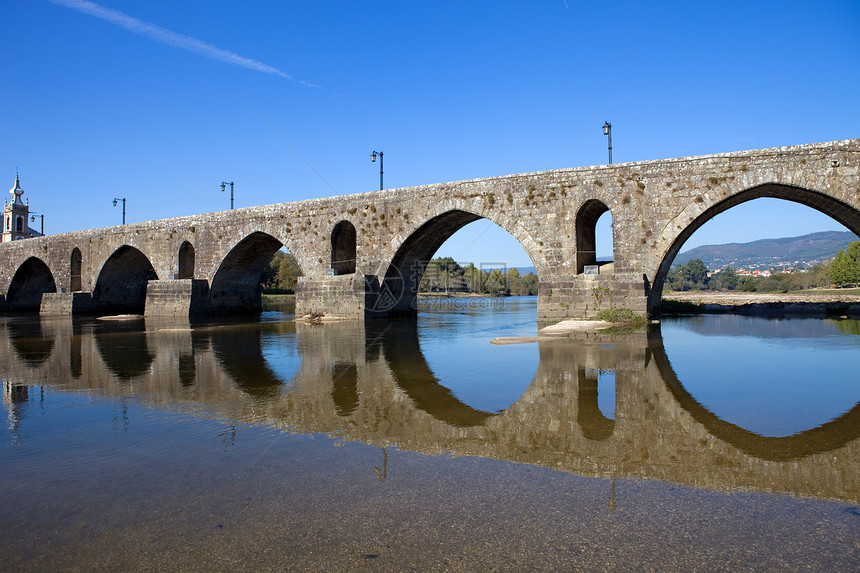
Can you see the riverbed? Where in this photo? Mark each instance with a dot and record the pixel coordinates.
(709, 442)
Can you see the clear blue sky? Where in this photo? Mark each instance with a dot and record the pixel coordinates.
(159, 101)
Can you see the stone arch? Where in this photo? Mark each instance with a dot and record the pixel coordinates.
(586, 241)
(32, 279)
(75, 264)
(186, 261)
(676, 233)
(236, 284)
(122, 280)
(397, 294)
(343, 250)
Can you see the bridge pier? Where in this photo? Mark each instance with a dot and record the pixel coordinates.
(583, 296)
(338, 295)
(66, 303)
(357, 296)
(178, 298)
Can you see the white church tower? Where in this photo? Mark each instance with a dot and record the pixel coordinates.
(15, 225)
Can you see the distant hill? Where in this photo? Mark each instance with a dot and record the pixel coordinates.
(809, 249)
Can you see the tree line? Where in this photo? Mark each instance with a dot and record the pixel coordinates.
(444, 274)
(281, 275)
(843, 270)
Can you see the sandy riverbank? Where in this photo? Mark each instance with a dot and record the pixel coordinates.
(824, 302)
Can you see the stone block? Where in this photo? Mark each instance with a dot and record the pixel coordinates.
(66, 303)
(176, 298)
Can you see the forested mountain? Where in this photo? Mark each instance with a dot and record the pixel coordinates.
(806, 250)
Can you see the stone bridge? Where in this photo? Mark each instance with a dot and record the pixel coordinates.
(370, 382)
(362, 255)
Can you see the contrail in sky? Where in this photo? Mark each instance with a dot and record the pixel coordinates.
(169, 38)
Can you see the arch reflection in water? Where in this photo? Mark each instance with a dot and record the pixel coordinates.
(31, 343)
(241, 349)
(455, 339)
(372, 384)
(124, 351)
(412, 375)
(774, 377)
(594, 423)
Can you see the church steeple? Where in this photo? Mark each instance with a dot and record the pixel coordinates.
(15, 215)
(17, 191)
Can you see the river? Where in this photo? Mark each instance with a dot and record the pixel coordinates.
(712, 442)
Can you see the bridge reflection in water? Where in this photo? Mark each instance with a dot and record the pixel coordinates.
(371, 383)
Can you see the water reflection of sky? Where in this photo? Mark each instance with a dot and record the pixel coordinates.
(455, 340)
(802, 374)
(281, 355)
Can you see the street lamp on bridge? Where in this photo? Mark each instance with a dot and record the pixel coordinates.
(123, 207)
(224, 188)
(373, 160)
(607, 130)
(33, 220)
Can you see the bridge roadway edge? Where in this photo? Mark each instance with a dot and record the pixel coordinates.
(655, 206)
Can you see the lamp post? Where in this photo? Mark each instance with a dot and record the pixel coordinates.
(373, 160)
(607, 130)
(33, 219)
(123, 207)
(224, 187)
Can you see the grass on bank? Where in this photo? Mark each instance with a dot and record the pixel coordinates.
(622, 317)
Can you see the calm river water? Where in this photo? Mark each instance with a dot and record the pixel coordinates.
(709, 443)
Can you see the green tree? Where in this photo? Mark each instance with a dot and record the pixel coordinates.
(747, 284)
(532, 283)
(697, 273)
(473, 278)
(822, 274)
(281, 273)
(495, 283)
(288, 273)
(516, 285)
(443, 274)
(724, 279)
(693, 275)
(845, 267)
(770, 284)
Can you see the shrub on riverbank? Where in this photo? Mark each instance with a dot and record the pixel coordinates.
(621, 317)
